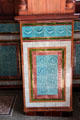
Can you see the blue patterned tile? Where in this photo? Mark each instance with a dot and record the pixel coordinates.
(46, 31)
(47, 74)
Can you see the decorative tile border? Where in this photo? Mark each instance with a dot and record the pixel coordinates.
(54, 23)
(36, 52)
(67, 75)
(46, 31)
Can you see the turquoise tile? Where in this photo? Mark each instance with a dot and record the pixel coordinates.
(46, 31)
(47, 74)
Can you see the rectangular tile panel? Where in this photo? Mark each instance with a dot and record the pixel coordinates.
(77, 26)
(48, 31)
(60, 51)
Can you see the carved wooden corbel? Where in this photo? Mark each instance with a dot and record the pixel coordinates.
(21, 7)
(70, 6)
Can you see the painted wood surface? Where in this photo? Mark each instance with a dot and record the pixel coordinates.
(7, 8)
(49, 6)
(25, 7)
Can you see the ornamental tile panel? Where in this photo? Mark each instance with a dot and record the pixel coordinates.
(46, 31)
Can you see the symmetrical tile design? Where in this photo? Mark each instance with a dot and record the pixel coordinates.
(55, 57)
(46, 74)
(46, 31)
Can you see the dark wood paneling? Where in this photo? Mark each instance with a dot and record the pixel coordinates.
(7, 7)
(77, 7)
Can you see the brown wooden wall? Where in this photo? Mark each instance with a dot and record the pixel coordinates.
(7, 7)
(49, 6)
